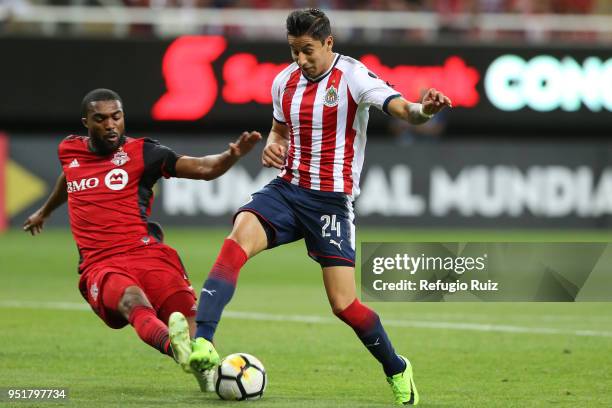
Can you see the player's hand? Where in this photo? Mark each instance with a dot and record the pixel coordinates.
(434, 101)
(274, 155)
(35, 223)
(244, 144)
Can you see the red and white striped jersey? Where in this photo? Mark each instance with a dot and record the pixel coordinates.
(327, 119)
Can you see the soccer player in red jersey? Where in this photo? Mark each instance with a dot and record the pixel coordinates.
(128, 275)
(317, 140)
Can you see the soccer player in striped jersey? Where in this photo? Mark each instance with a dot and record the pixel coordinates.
(317, 141)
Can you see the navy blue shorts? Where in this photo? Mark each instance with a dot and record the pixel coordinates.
(324, 219)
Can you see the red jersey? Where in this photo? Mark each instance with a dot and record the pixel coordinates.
(110, 196)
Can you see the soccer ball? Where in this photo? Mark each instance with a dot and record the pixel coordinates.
(240, 377)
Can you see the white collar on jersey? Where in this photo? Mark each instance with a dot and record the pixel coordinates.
(326, 73)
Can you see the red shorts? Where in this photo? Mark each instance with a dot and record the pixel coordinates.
(156, 269)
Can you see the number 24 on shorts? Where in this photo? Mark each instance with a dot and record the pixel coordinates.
(330, 221)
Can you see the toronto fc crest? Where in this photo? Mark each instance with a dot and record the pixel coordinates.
(331, 97)
(94, 291)
(120, 158)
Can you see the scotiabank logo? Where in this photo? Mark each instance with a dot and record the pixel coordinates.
(545, 83)
(116, 179)
(82, 184)
(193, 88)
(190, 79)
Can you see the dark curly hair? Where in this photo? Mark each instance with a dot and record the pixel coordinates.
(312, 22)
(100, 94)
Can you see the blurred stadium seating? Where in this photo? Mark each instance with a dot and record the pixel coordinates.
(370, 21)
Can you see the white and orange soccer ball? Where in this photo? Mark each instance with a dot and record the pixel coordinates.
(239, 377)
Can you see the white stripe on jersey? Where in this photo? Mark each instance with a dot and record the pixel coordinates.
(359, 147)
(317, 138)
(340, 135)
(295, 124)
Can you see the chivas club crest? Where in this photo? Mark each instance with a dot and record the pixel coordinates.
(120, 158)
(331, 97)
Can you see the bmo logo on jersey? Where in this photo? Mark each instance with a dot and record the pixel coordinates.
(82, 184)
(116, 179)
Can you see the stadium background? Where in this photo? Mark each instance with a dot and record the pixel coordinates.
(523, 156)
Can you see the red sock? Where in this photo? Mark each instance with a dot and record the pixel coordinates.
(150, 329)
(227, 266)
(360, 317)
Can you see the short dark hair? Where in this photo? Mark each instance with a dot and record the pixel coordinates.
(100, 94)
(312, 22)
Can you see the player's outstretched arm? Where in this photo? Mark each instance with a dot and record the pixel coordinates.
(212, 166)
(275, 151)
(417, 113)
(58, 196)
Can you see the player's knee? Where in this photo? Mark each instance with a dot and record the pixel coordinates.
(132, 297)
(249, 233)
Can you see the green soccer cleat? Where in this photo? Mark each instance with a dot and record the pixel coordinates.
(178, 330)
(182, 347)
(204, 356)
(203, 359)
(403, 387)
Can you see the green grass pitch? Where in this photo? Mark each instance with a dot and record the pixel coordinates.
(50, 339)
